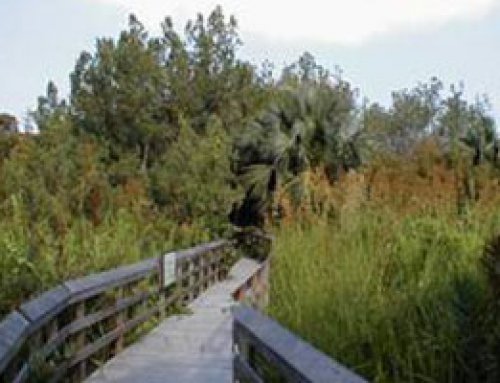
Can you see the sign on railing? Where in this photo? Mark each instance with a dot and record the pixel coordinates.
(168, 269)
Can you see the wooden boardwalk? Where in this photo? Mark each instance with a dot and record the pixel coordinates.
(53, 337)
(185, 348)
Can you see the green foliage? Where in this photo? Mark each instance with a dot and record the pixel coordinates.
(136, 162)
(135, 91)
(118, 95)
(218, 83)
(423, 112)
(192, 183)
(311, 121)
(50, 108)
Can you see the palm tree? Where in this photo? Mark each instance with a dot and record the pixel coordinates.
(308, 125)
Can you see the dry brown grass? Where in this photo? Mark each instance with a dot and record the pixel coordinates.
(424, 182)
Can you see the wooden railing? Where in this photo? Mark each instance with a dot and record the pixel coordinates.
(264, 351)
(67, 332)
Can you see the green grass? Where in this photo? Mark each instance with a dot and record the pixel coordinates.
(35, 259)
(398, 301)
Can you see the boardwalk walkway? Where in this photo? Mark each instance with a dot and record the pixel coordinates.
(53, 337)
(185, 348)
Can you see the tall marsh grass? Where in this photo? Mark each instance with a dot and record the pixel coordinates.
(397, 298)
(33, 258)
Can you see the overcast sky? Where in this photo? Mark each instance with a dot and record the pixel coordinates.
(381, 45)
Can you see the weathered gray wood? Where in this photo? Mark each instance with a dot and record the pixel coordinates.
(41, 310)
(92, 285)
(191, 281)
(205, 264)
(243, 370)
(254, 289)
(296, 359)
(13, 332)
(92, 348)
(185, 348)
(82, 322)
(81, 338)
(120, 323)
(196, 251)
(22, 375)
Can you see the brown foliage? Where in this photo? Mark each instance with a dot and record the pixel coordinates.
(421, 183)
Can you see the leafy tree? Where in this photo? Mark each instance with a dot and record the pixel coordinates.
(192, 183)
(50, 107)
(468, 127)
(207, 78)
(305, 69)
(132, 93)
(410, 118)
(118, 94)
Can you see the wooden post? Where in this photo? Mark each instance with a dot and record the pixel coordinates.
(35, 344)
(191, 280)
(220, 266)
(81, 341)
(120, 322)
(212, 268)
(53, 329)
(161, 303)
(264, 299)
(144, 305)
(254, 290)
(241, 348)
(203, 273)
(179, 275)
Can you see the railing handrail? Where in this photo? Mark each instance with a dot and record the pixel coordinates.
(192, 252)
(13, 330)
(295, 359)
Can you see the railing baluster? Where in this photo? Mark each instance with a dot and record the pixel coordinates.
(81, 340)
(191, 280)
(201, 275)
(161, 304)
(119, 323)
(179, 277)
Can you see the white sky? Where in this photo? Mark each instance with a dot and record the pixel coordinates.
(343, 22)
(381, 45)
